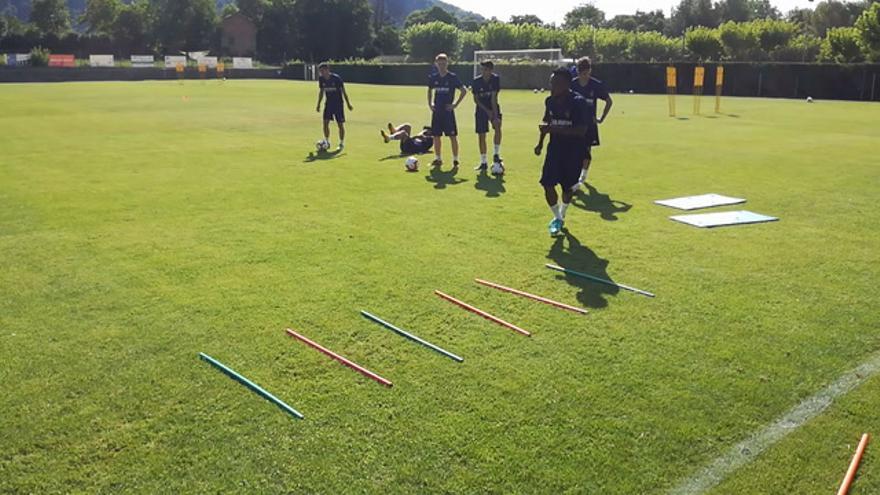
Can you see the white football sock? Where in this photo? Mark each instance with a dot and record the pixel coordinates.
(455, 158)
(497, 149)
(483, 159)
(562, 209)
(555, 210)
(583, 175)
(437, 157)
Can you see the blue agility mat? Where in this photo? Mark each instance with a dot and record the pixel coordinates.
(721, 219)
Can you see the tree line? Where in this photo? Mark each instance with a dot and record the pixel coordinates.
(312, 30)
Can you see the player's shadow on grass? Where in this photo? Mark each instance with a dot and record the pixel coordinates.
(600, 203)
(322, 155)
(492, 184)
(582, 259)
(442, 180)
(397, 156)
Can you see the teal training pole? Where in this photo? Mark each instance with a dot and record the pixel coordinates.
(412, 337)
(251, 385)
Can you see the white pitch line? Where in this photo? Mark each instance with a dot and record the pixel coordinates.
(747, 450)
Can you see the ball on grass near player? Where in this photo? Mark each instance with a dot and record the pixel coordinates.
(411, 164)
(536, 90)
(809, 99)
(322, 145)
(498, 168)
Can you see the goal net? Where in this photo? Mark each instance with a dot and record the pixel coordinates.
(547, 56)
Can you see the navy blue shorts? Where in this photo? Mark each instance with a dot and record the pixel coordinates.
(561, 168)
(482, 118)
(443, 123)
(334, 113)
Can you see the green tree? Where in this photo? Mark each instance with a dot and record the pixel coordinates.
(612, 44)
(388, 41)
(584, 15)
(100, 15)
(50, 16)
(830, 14)
(434, 14)
(228, 10)
(424, 41)
(868, 26)
(332, 29)
(526, 19)
(623, 23)
(4, 26)
(654, 20)
(183, 24)
(802, 18)
(692, 13)
(763, 9)
(131, 27)
(734, 11)
(841, 45)
(651, 46)
(253, 9)
(740, 40)
(582, 42)
(774, 34)
(703, 43)
(470, 42)
(499, 36)
(802, 48)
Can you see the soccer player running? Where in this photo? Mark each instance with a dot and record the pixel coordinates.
(592, 90)
(566, 120)
(486, 88)
(331, 84)
(441, 94)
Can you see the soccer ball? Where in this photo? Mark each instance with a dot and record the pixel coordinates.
(536, 90)
(809, 99)
(412, 164)
(498, 168)
(322, 145)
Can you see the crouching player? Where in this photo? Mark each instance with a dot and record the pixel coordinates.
(566, 120)
(409, 144)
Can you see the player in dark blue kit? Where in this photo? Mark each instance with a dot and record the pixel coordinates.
(441, 94)
(331, 84)
(566, 120)
(486, 89)
(592, 90)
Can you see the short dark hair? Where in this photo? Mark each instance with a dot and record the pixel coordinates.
(324, 65)
(488, 64)
(563, 73)
(584, 63)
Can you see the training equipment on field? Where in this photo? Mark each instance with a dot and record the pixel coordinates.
(410, 336)
(535, 90)
(530, 296)
(497, 168)
(719, 87)
(549, 56)
(251, 385)
(482, 313)
(322, 145)
(411, 164)
(600, 280)
(699, 79)
(708, 220)
(698, 202)
(853, 465)
(671, 85)
(350, 364)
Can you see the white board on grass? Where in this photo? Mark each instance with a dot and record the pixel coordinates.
(723, 218)
(701, 201)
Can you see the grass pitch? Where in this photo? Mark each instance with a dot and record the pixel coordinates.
(143, 223)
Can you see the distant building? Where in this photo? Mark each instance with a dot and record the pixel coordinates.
(239, 36)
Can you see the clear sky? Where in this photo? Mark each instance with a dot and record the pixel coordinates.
(554, 10)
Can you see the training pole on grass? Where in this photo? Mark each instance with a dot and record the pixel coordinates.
(360, 369)
(600, 280)
(410, 336)
(251, 385)
(671, 85)
(530, 296)
(482, 313)
(853, 466)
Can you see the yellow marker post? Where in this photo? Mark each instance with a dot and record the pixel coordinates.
(719, 86)
(671, 84)
(699, 78)
(180, 72)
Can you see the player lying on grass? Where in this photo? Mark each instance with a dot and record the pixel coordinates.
(409, 144)
(331, 84)
(566, 121)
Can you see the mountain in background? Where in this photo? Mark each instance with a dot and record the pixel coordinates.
(394, 11)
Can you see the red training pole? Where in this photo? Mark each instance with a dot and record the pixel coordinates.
(360, 369)
(482, 313)
(853, 466)
(531, 296)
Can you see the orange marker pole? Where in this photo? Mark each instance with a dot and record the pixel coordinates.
(360, 369)
(544, 300)
(853, 466)
(482, 313)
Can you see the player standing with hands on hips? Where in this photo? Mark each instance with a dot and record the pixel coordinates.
(441, 94)
(486, 88)
(566, 120)
(592, 90)
(331, 84)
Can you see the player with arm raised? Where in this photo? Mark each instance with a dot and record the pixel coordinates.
(566, 122)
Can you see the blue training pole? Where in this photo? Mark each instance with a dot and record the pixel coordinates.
(251, 385)
(412, 337)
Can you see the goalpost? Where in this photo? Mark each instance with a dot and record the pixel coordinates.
(547, 56)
